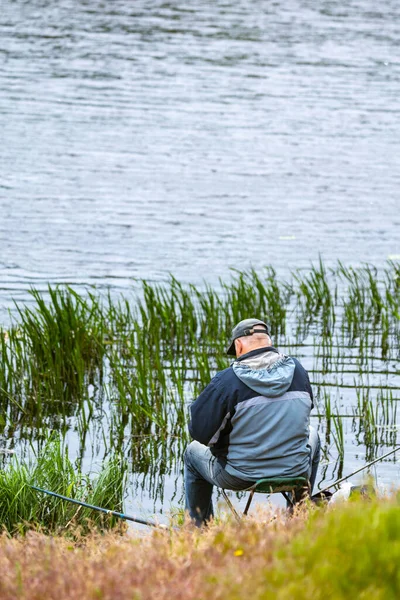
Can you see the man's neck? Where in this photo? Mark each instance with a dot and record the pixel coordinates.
(256, 351)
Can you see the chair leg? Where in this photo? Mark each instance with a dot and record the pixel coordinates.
(250, 498)
(289, 499)
(296, 496)
(303, 493)
(229, 503)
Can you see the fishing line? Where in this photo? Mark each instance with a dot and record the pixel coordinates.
(358, 470)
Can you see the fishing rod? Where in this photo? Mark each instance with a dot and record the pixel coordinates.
(104, 510)
(358, 470)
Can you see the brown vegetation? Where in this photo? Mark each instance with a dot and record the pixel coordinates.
(352, 551)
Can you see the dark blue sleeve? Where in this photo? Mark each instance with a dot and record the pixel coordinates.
(310, 391)
(208, 412)
(301, 381)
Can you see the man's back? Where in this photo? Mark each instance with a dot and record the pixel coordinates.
(255, 416)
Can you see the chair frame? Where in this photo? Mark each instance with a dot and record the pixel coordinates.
(283, 485)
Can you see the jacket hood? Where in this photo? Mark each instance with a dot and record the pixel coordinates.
(268, 373)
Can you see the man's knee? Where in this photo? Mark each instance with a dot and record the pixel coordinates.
(190, 452)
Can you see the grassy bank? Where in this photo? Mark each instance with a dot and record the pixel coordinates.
(352, 551)
(24, 509)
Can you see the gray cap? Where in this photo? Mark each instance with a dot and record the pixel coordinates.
(245, 327)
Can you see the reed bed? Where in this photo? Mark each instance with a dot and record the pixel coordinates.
(352, 551)
(23, 508)
(125, 370)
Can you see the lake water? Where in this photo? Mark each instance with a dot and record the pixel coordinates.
(142, 138)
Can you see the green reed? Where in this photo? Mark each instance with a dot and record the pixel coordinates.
(125, 369)
(338, 435)
(22, 508)
(64, 340)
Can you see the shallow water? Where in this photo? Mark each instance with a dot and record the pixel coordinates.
(144, 138)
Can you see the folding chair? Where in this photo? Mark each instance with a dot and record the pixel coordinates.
(293, 489)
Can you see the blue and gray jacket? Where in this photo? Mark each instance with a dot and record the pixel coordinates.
(255, 416)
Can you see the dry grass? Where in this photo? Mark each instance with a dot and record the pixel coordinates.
(350, 552)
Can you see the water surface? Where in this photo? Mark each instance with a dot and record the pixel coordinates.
(144, 138)
(152, 137)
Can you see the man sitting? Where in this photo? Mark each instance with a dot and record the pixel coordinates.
(251, 422)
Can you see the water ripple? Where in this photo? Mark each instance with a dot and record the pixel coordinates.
(144, 139)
